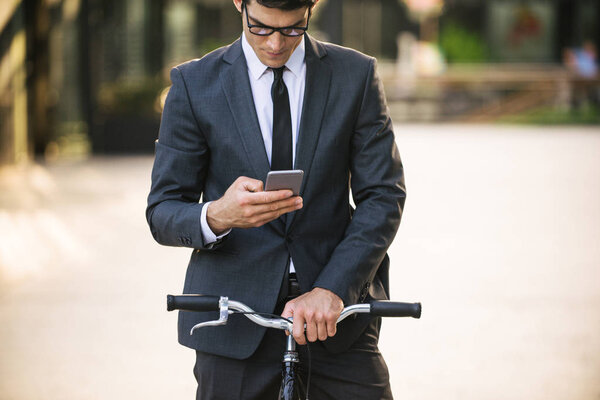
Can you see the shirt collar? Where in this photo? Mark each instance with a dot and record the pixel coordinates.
(257, 68)
(296, 61)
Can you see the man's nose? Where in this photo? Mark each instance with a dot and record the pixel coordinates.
(276, 41)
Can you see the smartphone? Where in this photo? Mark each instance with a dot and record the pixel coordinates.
(286, 179)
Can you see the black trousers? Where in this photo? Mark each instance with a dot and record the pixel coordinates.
(359, 373)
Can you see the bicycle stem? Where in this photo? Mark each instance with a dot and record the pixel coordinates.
(291, 355)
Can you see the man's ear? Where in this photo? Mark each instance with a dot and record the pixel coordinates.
(238, 5)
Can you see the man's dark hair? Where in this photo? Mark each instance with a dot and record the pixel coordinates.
(284, 4)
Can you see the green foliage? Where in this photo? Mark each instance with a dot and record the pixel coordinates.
(548, 115)
(462, 46)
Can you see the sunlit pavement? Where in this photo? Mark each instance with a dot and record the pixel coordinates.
(500, 241)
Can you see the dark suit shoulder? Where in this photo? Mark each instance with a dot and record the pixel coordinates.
(339, 53)
(336, 50)
(350, 63)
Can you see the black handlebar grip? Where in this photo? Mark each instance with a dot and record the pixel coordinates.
(386, 308)
(192, 302)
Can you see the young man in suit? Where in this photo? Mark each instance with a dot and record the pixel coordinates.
(278, 99)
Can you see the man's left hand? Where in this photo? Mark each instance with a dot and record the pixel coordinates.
(319, 309)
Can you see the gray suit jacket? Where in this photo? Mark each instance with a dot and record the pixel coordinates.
(210, 135)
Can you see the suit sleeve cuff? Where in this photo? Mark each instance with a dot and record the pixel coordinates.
(208, 235)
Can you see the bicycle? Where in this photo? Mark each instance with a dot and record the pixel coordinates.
(291, 388)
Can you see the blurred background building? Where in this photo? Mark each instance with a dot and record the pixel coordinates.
(80, 77)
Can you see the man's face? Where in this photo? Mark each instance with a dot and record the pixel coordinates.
(273, 50)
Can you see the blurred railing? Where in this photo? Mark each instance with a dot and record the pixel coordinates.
(483, 93)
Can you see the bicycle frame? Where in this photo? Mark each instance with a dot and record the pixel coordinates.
(289, 390)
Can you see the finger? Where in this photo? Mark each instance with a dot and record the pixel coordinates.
(288, 312)
(322, 330)
(311, 331)
(268, 216)
(331, 328)
(269, 197)
(298, 329)
(266, 220)
(279, 208)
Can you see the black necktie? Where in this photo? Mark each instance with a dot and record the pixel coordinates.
(281, 153)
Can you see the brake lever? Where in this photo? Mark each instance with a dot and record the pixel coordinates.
(223, 316)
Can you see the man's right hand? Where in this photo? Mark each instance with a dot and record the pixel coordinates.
(246, 205)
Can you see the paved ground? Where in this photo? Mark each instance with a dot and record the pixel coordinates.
(500, 241)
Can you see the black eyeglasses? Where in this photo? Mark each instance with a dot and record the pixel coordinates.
(263, 30)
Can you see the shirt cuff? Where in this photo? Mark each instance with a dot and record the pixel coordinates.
(207, 234)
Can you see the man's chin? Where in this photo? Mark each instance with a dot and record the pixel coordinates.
(274, 61)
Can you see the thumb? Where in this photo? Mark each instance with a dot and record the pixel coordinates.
(253, 185)
(288, 311)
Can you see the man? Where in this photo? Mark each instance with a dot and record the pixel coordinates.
(274, 99)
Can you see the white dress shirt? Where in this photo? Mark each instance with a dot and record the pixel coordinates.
(261, 79)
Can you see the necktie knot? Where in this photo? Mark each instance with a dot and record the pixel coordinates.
(278, 72)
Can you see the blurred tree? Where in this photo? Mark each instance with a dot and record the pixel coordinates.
(459, 44)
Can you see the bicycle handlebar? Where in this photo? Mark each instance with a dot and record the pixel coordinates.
(193, 302)
(395, 309)
(226, 306)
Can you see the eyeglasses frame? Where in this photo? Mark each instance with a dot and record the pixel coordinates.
(272, 28)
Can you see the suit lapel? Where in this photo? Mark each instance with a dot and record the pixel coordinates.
(236, 85)
(316, 92)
